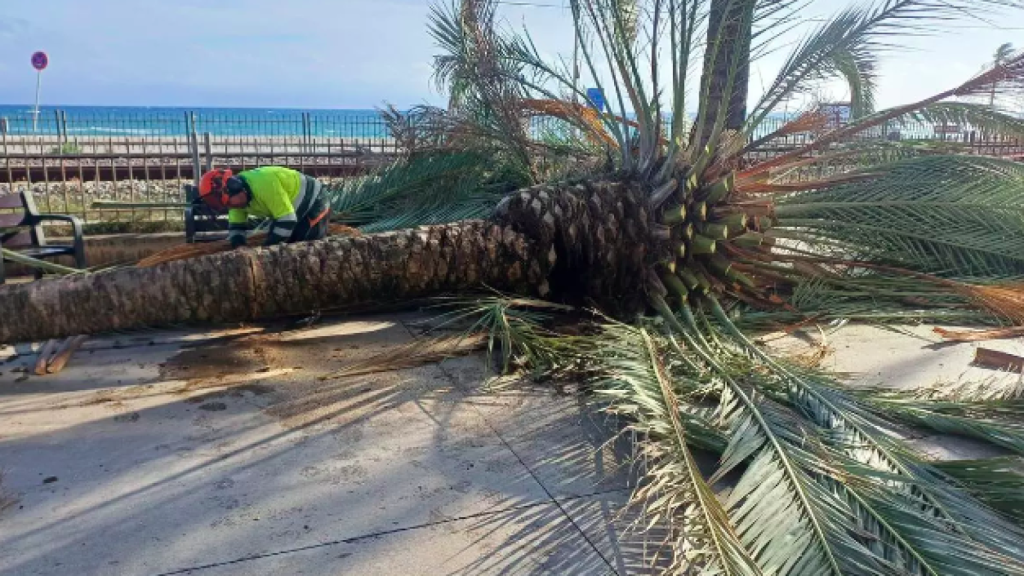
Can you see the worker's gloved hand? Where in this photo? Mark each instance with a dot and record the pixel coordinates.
(237, 241)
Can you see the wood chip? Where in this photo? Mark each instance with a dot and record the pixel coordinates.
(44, 357)
(998, 360)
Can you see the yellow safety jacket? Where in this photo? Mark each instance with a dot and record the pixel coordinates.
(280, 194)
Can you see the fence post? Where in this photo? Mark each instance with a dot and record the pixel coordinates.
(208, 150)
(193, 142)
(64, 124)
(304, 148)
(307, 132)
(60, 137)
(7, 158)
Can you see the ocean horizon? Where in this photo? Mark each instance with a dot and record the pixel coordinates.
(164, 121)
(174, 121)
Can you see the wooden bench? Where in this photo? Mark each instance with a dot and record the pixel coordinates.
(21, 231)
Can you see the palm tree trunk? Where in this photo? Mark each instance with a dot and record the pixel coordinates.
(583, 243)
(253, 284)
(727, 56)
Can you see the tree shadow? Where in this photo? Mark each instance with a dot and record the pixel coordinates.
(287, 461)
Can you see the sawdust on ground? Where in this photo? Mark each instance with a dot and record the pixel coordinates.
(297, 378)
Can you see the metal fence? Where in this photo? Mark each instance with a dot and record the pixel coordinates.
(71, 159)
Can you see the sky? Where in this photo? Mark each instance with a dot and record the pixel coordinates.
(344, 53)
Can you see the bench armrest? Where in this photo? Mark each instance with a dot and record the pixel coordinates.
(76, 231)
(75, 221)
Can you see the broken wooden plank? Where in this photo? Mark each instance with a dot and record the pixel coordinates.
(998, 360)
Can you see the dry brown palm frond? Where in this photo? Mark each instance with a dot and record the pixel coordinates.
(413, 354)
(1004, 300)
(980, 335)
(811, 121)
(583, 116)
(187, 251)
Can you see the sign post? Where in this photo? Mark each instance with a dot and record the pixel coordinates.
(39, 61)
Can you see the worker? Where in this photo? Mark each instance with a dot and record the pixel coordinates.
(292, 200)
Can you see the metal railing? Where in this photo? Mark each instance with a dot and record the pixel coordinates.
(70, 161)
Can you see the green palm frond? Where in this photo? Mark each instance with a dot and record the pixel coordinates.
(453, 67)
(484, 84)
(1003, 433)
(981, 117)
(858, 68)
(516, 330)
(848, 43)
(796, 524)
(35, 263)
(427, 189)
(1005, 76)
(640, 387)
(943, 523)
(996, 481)
(951, 215)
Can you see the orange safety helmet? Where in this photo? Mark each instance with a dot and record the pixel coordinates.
(213, 187)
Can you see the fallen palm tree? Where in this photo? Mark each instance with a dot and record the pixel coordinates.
(684, 240)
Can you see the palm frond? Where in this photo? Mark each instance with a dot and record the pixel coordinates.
(848, 43)
(980, 117)
(858, 68)
(999, 482)
(1004, 76)
(946, 215)
(431, 188)
(516, 330)
(1003, 433)
(910, 502)
(43, 265)
(640, 388)
(794, 525)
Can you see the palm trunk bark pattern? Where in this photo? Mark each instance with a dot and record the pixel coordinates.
(585, 243)
(253, 284)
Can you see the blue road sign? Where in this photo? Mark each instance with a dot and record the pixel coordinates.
(596, 97)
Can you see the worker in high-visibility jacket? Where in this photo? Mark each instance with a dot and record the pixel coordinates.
(292, 200)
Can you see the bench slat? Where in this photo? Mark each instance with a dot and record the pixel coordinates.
(17, 240)
(10, 220)
(12, 201)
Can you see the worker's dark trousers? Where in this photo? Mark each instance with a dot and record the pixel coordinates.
(313, 226)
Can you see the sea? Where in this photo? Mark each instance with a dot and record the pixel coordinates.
(120, 121)
(144, 121)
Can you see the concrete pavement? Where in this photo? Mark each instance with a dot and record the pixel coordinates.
(236, 452)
